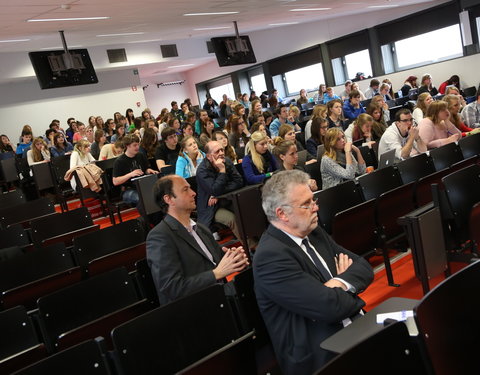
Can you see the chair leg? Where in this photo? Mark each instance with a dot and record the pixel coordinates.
(388, 268)
(119, 213)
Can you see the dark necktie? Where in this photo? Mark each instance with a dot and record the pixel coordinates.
(321, 268)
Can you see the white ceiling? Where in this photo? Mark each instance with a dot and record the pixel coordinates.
(157, 20)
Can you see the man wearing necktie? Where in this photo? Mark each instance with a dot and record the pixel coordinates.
(183, 255)
(306, 285)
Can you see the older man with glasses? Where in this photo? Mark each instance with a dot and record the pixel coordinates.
(402, 136)
(306, 285)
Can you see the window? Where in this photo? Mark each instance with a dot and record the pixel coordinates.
(217, 92)
(427, 48)
(307, 78)
(258, 83)
(358, 62)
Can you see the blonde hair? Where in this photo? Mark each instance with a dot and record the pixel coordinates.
(361, 120)
(320, 110)
(330, 140)
(80, 145)
(451, 100)
(295, 110)
(421, 101)
(256, 137)
(434, 110)
(37, 155)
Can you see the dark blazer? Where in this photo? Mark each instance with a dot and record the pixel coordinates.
(179, 266)
(211, 183)
(299, 311)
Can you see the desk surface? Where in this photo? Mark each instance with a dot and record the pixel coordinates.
(366, 326)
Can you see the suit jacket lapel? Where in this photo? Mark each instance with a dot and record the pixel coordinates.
(183, 234)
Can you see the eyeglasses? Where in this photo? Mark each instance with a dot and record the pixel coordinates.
(311, 206)
(407, 120)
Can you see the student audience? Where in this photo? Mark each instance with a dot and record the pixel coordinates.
(259, 164)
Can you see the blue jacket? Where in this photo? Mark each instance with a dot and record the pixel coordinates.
(182, 167)
(211, 183)
(349, 111)
(252, 174)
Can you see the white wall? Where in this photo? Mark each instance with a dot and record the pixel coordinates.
(25, 103)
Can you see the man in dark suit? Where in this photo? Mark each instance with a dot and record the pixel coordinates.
(306, 285)
(183, 256)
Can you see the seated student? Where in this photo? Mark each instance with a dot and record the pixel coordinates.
(149, 143)
(216, 176)
(6, 145)
(335, 114)
(346, 92)
(470, 113)
(203, 118)
(318, 97)
(38, 153)
(361, 130)
(378, 126)
(259, 164)
(380, 101)
(352, 108)
(168, 150)
(319, 129)
(119, 133)
(99, 141)
(81, 132)
(410, 83)
(207, 133)
(372, 89)
(452, 81)
(175, 124)
(330, 95)
(109, 129)
(427, 85)
(436, 130)
(303, 99)
(189, 158)
(286, 152)
(294, 117)
(338, 163)
(60, 146)
(319, 110)
(183, 256)
(229, 151)
(111, 150)
(282, 118)
(385, 91)
(287, 133)
(129, 165)
(453, 106)
(150, 124)
(355, 87)
(26, 142)
(71, 130)
(81, 156)
(239, 135)
(402, 137)
(49, 134)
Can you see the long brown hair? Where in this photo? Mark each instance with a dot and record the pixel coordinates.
(330, 140)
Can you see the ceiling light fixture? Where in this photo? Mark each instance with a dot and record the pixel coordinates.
(282, 23)
(59, 47)
(307, 9)
(144, 41)
(213, 28)
(121, 34)
(210, 14)
(67, 19)
(383, 6)
(14, 40)
(180, 66)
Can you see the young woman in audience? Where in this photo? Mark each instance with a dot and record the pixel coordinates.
(99, 142)
(409, 84)
(111, 150)
(149, 142)
(287, 132)
(6, 145)
(423, 101)
(117, 116)
(109, 129)
(427, 85)
(81, 132)
(380, 101)
(99, 122)
(286, 152)
(150, 124)
(378, 126)
(362, 131)
(338, 162)
(188, 129)
(89, 134)
(71, 130)
(385, 91)
(189, 158)
(38, 153)
(335, 114)
(239, 135)
(319, 110)
(390, 91)
(207, 133)
(454, 106)
(175, 124)
(452, 90)
(119, 133)
(26, 142)
(303, 98)
(129, 116)
(138, 123)
(259, 126)
(259, 164)
(60, 146)
(49, 134)
(355, 87)
(322, 90)
(435, 129)
(255, 111)
(452, 81)
(81, 156)
(319, 129)
(92, 121)
(220, 136)
(294, 117)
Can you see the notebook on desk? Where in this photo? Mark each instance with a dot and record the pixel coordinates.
(387, 159)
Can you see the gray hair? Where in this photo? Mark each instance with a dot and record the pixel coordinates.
(276, 191)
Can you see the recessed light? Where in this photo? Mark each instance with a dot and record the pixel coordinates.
(144, 41)
(67, 19)
(59, 47)
(383, 6)
(307, 9)
(180, 66)
(210, 14)
(14, 40)
(213, 28)
(282, 23)
(121, 34)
